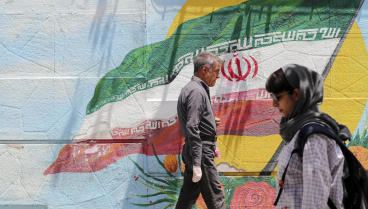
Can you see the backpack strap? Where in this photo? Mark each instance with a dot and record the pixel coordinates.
(315, 128)
(331, 204)
(304, 133)
(281, 182)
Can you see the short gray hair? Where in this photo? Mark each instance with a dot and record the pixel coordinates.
(205, 59)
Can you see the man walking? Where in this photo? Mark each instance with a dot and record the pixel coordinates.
(198, 126)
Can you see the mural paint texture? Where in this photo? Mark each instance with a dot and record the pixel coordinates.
(108, 136)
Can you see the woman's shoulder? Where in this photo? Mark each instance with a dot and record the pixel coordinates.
(319, 143)
(317, 140)
(316, 136)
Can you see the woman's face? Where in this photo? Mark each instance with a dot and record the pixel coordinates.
(286, 102)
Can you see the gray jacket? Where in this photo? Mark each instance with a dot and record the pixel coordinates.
(196, 116)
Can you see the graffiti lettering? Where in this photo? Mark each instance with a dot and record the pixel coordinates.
(303, 34)
(238, 45)
(263, 94)
(265, 38)
(183, 60)
(222, 46)
(197, 51)
(249, 95)
(144, 126)
(139, 129)
(330, 33)
(142, 86)
(158, 81)
(151, 124)
(221, 99)
(289, 37)
(169, 122)
(154, 82)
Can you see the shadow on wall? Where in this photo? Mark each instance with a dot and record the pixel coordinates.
(160, 63)
(235, 115)
(106, 28)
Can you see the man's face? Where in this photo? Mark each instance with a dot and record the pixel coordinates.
(212, 74)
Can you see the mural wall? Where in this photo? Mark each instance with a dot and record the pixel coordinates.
(89, 92)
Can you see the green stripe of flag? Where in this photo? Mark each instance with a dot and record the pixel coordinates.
(259, 23)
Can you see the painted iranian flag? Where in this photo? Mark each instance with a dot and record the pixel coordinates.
(137, 100)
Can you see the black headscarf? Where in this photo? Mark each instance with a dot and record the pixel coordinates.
(306, 109)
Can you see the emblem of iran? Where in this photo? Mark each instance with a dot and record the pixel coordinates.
(239, 68)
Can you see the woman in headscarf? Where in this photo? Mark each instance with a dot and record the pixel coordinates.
(309, 183)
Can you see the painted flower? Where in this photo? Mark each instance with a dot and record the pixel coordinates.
(171, 163)
(200, 201)
(253, 195)
(182, 167)
(361, 154)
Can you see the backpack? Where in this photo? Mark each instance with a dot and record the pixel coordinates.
(355, 177)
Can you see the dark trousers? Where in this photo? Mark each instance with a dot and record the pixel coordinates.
(209, 185)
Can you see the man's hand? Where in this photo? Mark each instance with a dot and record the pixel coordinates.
(217, 120)
(197, 173)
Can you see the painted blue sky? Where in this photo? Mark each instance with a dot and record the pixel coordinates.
(52, 57)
